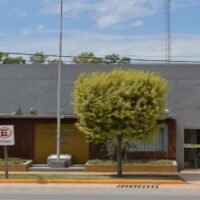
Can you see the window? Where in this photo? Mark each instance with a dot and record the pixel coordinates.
(156, 145)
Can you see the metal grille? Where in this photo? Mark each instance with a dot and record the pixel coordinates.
(156, 145)
(138, 186)
(160, 143)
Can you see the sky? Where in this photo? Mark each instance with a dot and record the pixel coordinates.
(134, 28)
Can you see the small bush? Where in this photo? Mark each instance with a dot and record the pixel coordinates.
(131, 162)
(13, 161)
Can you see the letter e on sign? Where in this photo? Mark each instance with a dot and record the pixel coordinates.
(7, 135)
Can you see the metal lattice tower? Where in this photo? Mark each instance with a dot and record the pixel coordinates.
(168, 30)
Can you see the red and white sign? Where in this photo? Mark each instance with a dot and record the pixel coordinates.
(7, 135)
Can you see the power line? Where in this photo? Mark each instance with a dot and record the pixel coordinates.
(161, 56)
(72, 56)
(32, 54)
(131, 59)
(163, 60)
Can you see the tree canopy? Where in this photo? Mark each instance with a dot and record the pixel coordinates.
(13, 60)
(83, 58)
(2, 55)
(7, 59)
(38, 58)
(54, 61)
(90, 58)
(119, 104)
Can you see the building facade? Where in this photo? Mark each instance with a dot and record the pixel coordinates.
(28, 96)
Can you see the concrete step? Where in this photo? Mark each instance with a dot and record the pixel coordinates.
(45, 168)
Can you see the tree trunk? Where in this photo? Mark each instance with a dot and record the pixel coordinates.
(119, 156)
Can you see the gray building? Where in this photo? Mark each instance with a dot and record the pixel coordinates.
(30, 91)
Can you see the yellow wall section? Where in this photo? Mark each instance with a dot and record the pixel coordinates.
(72, 141)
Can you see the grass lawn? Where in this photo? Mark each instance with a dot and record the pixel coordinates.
(131, 162)
(87, 177)
(13, 161)
(54, 176)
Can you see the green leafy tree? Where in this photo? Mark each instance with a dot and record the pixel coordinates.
(111, 148)
(115, 59)
(13, 60)
(121, 104)
(112, 59)
(86, 58)
(2, 56)
(125, 60)
(54, 61)
(96, 60)
(38, 58)
(90, 58)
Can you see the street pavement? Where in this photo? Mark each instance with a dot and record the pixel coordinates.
(99, 192)
(105, 191)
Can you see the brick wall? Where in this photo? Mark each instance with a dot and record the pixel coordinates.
(171, 138)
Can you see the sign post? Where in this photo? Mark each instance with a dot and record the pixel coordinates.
(6, 139)
(6, 161)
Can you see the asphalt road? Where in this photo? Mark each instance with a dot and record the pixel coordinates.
(98, 192)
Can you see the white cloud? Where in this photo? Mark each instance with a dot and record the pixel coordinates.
(186, 45)
(137, 24)
(112, 13)
(50, 7)
(71, 8)
(142, 46)
(36, 31)
(26, 32)
(40, 28)
(116, 12)
(105, 13)
(108, 20)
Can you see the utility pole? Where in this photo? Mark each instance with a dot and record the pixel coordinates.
(59, 83)
(168, 38)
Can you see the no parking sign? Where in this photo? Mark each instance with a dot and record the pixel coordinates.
(6, 139)
(7, 135)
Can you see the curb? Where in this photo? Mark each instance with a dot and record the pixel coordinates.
(28, 181)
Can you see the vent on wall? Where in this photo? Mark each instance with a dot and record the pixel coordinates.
(32, 111)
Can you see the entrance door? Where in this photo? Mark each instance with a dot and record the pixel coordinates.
(72, 142)
(192, 148)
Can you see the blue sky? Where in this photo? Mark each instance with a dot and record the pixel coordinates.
(124, 27)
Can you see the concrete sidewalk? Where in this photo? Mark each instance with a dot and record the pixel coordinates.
(191, 176)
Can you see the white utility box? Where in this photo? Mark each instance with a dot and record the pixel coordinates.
(64, 161)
